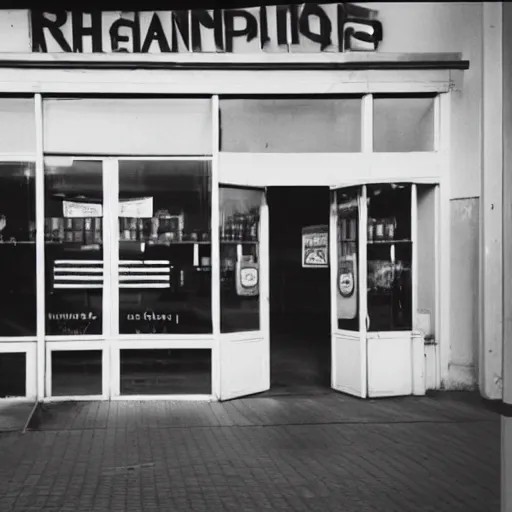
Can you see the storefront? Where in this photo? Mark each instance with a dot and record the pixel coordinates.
(135, 223)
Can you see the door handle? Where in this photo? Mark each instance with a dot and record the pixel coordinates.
(367, 322)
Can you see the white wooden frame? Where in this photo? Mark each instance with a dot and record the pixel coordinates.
(424, 167)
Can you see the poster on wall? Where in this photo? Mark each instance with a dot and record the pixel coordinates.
(315, 246)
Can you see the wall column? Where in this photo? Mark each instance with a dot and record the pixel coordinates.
(491, 234)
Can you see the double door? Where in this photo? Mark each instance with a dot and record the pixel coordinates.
(372, 257)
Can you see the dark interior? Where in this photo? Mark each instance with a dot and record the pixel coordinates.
(299, 297)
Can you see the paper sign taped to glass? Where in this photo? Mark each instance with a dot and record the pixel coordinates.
(315, 246)
(134, 208)
(347, 287)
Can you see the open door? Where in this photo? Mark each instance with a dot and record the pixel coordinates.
(377, 350)
(244, 347)
(348, 282)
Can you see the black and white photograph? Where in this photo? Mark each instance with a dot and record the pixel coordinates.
(255, 256)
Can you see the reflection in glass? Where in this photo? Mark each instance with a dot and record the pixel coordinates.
(347, 289)
(166, 372)
(13, 370)
(73, 246)
(164, 247)
(389, 257)
(291, 125)
(17, 249)
(239, 259)
(76, 372)
(402, 123)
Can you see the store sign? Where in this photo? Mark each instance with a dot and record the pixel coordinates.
(81, 210)
(315, 247)
(297, 28)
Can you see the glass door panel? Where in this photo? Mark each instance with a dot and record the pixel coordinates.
(348, 280)
(73, 246)
(165, 247)
(389, 257)
(239, 259)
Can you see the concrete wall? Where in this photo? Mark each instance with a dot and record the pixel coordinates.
(453, 27)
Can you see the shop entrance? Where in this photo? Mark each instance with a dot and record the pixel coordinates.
(300, 343)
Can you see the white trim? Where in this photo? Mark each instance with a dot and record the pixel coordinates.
(437, 278)
(414, 262)
(340, 169)
(210, 82)
(170, 398)
(147, 343)
(367, 124)
(215, 248)
(14, 157)
(264, 266)
(229, 58)
(437, 123)
(40, 248)
(363, 287)
(444, 243)
(166, 158)
(387, 335)
(333, 272)
(18, 339)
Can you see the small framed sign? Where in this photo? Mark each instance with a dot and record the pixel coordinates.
(315, 246)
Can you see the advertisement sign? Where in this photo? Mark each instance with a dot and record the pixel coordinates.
(315, 246)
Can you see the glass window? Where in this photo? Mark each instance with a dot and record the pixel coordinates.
(17, 249)
(166, 372)
(239, 259)
(17, 126)
(76, 372)
(164, 247)
(128, 126)
(389, 257)
(73, 246)
(347, 288)
(13, 370)
(291, 125)
(402, 124)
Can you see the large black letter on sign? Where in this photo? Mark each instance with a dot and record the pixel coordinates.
(79, 31)
(250, 30)
(155, 33)
(40, 22)
(116, 37)
(282, 12)
(202, 17)
(324, 37)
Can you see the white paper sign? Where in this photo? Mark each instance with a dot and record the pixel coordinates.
(139, 208)
(77, 209)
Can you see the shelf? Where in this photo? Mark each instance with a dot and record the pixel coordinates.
(240, 242)
(389, 242)
(21, 242)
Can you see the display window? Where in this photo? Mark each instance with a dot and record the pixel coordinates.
(165, 247)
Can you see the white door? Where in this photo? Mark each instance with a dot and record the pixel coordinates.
(348, 280)
(244, 348)
(374, 291)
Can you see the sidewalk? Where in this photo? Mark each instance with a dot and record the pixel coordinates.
(322, 453)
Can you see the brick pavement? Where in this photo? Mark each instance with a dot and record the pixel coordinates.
(322, 453)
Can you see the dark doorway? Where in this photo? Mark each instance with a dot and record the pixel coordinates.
(300, 350)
